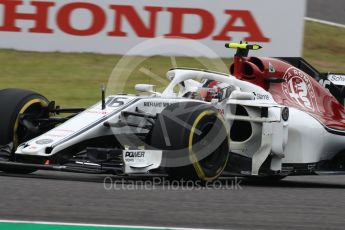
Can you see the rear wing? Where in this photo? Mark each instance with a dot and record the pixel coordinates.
(336, 78)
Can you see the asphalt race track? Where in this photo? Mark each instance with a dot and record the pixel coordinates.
(294, 203)
(329, 10)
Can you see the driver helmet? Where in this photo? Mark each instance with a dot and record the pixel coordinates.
(213, 93)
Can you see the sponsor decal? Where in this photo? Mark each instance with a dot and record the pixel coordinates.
(337, 79)
(117, 18)
(137, 154)
(259, 96)
(271, 68)
(156, 104)
(99, 26)
(44, 141)
(100, 112)
(299, 89)
(134, 156)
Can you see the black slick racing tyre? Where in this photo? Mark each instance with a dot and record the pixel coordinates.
(195, 139)
(14, 103)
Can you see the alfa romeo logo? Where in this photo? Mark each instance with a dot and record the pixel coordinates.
(299, 89)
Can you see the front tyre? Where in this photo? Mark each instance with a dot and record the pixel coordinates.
(195, 139)
(15, 103)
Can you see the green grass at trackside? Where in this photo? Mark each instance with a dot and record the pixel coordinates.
(75, 79)
(324, 47)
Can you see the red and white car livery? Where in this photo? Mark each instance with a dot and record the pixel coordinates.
(268, 118)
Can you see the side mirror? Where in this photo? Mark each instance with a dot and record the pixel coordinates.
(145, 88)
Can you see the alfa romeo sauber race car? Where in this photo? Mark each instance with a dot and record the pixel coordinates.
(268, 118)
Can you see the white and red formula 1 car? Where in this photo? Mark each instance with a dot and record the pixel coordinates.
(268, 118)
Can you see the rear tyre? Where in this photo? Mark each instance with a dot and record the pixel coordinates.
(196, 141)
(14, 103)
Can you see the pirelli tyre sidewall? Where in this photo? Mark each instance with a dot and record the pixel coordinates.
(195, 139)
(14, 103)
